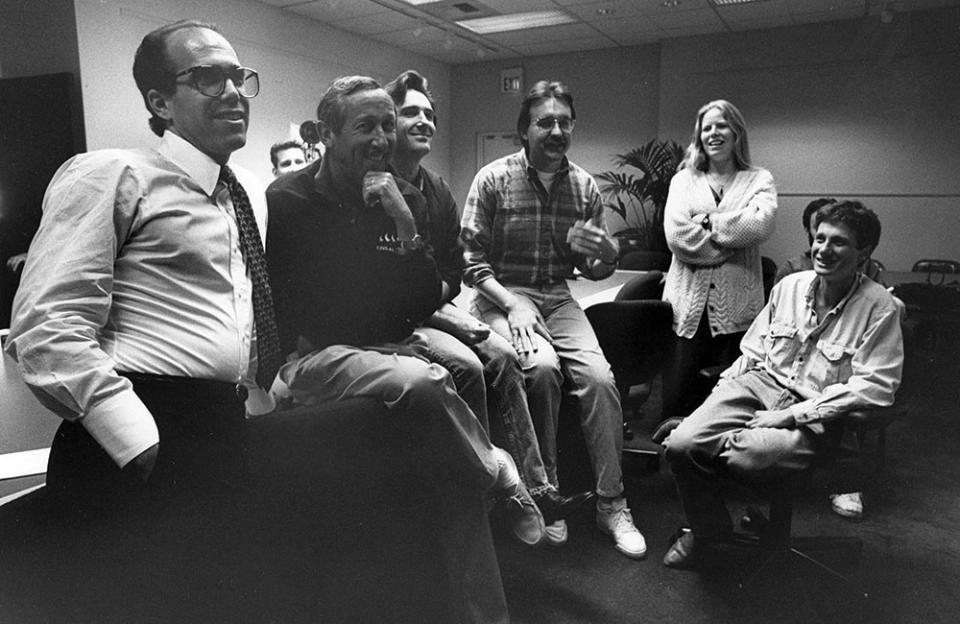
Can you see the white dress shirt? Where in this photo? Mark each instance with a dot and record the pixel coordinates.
(136, 267)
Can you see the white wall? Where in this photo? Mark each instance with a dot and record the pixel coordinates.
(854, 109)
(851, 109)
(296, 57)
(615, 93)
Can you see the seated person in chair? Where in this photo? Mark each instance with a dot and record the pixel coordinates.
(847, 504)
(827, 342)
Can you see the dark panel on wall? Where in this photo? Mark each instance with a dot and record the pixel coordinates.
(36, 135)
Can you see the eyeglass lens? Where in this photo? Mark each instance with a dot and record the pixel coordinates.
(547, 123)
(212, 80)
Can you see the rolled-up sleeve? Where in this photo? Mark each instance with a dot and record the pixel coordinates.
(64, 300)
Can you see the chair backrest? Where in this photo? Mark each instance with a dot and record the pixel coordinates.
(769, 269)
(634, 336)
(643, 260)
(646, 286)
(936, 266)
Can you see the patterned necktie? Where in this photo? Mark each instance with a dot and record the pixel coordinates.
(268, 341)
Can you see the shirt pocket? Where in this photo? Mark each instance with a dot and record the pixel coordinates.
(781, 344)
(832, 363)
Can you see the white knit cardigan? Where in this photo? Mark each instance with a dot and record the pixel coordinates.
(718, 269)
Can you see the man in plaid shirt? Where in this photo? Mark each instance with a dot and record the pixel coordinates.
(530, 219)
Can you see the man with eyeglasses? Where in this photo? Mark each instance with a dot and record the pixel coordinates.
(145, 318)
(530, 219)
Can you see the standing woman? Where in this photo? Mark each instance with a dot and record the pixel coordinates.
(719, 209)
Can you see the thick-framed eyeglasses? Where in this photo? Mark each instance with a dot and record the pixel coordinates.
(547, 123)
(211, 80)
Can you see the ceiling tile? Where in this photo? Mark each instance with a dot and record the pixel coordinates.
(518, 6)
(683, 19)
(548, 33)
(426, 34)
(379, 23)
(332, 11)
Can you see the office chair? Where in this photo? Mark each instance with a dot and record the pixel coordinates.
(936, 266)
(646, 286)
(634, 336)
(645, 260)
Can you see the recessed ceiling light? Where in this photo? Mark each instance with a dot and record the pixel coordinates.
(515, 21)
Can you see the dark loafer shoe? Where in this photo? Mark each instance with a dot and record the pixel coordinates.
(555, 507)
(683, 553)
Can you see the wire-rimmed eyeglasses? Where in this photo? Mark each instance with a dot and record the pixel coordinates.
(547, 123)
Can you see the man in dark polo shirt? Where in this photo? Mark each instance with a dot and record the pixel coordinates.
(352, 280)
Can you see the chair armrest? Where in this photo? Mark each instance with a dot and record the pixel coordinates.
(867, 419)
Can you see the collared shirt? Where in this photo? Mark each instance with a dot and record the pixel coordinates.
(338, 271)
(516, 230)
(852, 358)
(136, 267)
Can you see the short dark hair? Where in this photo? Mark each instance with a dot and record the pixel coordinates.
(330, 110)
(542, 90)
(276, 148)
(409, 80)
(151, 65)
(811, 208)
(853, 214)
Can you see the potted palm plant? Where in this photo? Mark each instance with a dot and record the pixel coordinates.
(637, 192)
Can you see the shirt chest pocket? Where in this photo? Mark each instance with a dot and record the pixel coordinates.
(832, 363)
(781, 344)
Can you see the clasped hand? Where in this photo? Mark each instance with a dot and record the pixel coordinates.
(380, 188)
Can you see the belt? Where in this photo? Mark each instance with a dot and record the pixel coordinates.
(205, 391)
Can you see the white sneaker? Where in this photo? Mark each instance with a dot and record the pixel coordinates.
(614, 519)
(848, 505)
(526, 521)
(556, 534)
(508, 482)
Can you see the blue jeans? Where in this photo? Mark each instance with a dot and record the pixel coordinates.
(488, 374)
(574, 358)
(449, 448)
(715, 437)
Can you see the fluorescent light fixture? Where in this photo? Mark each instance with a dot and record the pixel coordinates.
(726, 2)
(419, 2)
(515, 21)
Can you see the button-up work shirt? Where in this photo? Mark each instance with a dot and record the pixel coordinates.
(136, 267)
(516, 230)
(852, 358)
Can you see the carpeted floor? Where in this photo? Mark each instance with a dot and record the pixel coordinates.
(909, 567)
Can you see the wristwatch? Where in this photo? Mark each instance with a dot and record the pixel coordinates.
(414, 244)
